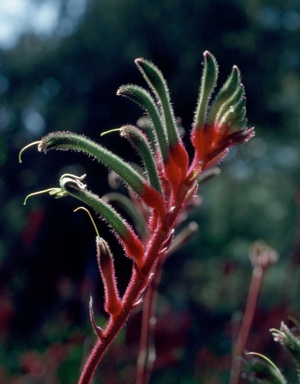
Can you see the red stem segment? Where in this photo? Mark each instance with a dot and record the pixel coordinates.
(136, 285)
(114, 325)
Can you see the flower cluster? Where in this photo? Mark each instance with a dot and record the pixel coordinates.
(162, 192)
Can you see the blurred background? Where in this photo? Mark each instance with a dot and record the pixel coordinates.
(61, 62)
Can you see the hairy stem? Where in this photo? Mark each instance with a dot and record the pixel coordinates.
(113, 327)
(134, 289)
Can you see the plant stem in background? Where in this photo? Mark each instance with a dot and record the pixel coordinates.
(261, 257)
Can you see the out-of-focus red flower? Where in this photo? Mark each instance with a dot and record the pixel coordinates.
(32, 363)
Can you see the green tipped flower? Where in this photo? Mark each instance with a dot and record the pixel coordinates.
(140, 96)
(159, 86)
(72, 141)
(139, 141)
(208, 83)
(223, 124)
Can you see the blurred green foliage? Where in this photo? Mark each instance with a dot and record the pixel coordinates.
(68, 81)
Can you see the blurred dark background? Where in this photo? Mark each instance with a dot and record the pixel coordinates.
(60, 66)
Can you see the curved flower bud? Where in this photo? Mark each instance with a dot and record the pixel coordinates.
(112, 303)
(208, 83)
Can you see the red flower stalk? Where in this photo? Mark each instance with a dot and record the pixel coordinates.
(261, 257)
(159, 197)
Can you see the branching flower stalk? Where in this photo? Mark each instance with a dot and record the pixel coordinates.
(159, 197)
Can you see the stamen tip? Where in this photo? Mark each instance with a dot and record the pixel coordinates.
(27, 146)
(98, 239)
(110, 131)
